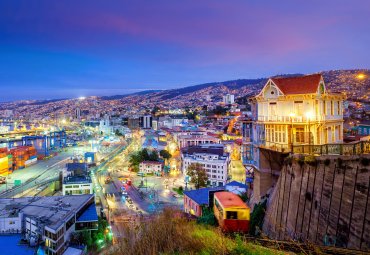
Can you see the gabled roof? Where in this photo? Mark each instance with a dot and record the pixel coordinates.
(306, 84)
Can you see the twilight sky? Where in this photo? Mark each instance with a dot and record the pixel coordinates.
(69, 48)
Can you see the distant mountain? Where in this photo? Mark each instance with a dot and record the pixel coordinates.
(115, 97)
(354, 83)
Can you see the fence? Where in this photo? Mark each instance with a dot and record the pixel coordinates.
(358, 148)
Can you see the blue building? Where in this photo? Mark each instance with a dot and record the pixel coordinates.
(364, 128)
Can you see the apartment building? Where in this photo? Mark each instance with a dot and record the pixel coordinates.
(212, 157)
(48, 220)
(77, 181)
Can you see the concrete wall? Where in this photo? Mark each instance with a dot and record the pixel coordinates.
(266, 177)
(327, 204)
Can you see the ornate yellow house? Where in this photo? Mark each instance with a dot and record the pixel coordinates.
(295, 111)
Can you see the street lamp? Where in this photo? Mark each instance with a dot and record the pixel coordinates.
(291, 115)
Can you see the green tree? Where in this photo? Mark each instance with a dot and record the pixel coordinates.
(155, 110)
(118, 133)
(153, 156)
(198, 175)
(144, 155)
(244, 196)
(208, 217)
(257, 218)
(165, 154)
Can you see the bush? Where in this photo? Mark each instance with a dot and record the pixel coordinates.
(171, 233)
(208, 217)
(257, 217)
(310, 160)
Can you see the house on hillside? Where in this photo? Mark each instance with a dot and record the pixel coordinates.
(290, 112)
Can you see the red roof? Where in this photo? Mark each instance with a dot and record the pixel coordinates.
(229, 199)
(298, 85)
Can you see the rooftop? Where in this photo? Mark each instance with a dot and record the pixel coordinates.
(76, 166)
(76, 179)
(151, 163)
(238, 184)
(229, 199)
(216, 149)
(201, 196)
(306, 84)
(89, 214)
(52, 210)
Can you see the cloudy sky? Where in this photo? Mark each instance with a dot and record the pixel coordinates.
(69, 48)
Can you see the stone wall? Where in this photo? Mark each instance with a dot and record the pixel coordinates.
(322, 200)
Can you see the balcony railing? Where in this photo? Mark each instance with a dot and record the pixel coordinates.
(358, 148)
(298, 119)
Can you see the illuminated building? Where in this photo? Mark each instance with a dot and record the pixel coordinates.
(290, 112)
(212, 158)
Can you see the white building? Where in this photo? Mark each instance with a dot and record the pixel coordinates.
(105, 126)
(146, 121)
(150, 167)
(170, 122)
(212, 158)
(228, 99)
(77, 185)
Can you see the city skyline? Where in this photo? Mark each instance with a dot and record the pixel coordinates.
(69, 49)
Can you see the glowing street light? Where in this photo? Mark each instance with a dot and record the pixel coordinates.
(309, 115)
(361, 76)
(292, 114)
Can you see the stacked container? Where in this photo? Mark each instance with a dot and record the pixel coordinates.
(23, 156)
(4, 162)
